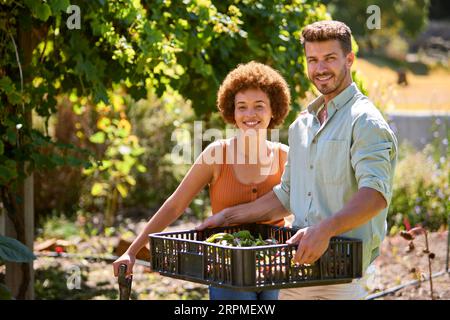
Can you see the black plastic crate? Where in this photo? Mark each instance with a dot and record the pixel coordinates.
(185, 255)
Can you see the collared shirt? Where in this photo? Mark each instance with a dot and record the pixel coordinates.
(327, 164)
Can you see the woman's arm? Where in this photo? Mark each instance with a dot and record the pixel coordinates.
(265, 208)
(200, 174)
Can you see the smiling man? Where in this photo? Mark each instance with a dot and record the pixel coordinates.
(339, 173)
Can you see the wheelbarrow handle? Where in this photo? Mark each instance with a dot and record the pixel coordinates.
(124, 283)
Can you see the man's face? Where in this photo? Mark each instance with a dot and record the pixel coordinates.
(328, 66)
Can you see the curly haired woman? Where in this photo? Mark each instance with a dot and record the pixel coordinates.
(254, 97)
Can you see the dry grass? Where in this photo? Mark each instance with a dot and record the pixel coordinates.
(423, 93)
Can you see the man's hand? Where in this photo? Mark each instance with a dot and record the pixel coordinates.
(312, 243)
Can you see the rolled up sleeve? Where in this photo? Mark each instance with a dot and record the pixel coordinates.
(374, 155)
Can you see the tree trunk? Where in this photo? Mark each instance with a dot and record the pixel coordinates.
(19, 203)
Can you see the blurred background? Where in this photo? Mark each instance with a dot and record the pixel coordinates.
(93, 95)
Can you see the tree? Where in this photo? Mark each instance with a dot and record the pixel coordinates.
(407, 17)
(85, 48)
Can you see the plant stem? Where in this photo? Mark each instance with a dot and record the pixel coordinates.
(429, 264)
(447, 269)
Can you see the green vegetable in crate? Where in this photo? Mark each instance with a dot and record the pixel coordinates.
(241, 238)
(245, 242)
(243, 235)
(222, 238)
(260, 241)
(270, 241)
(244, 238)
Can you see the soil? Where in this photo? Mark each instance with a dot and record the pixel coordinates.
(56, 278)
(396, 266)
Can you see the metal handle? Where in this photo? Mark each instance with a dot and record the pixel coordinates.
(124, 283)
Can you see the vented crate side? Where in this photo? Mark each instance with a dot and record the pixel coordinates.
(185, 255)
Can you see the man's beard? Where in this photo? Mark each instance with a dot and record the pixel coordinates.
(330, 87)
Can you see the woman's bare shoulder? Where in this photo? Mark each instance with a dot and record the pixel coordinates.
(284, 149)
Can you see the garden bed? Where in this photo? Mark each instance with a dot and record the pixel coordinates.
(395, 267)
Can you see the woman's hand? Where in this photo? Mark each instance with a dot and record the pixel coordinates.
(216, 220)
(128, 260)
(265, 208)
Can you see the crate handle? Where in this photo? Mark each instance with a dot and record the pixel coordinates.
(191, 264)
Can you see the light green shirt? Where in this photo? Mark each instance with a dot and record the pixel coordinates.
(327, 164)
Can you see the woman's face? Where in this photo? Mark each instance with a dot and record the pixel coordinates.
(252, 109)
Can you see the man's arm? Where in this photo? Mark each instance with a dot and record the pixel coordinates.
(267, 207)
(314, 240)
(373, 156)
(362, 207)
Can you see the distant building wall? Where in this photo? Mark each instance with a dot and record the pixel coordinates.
(420, 129)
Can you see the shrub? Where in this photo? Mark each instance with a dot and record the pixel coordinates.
(154, 120)
(421, 193)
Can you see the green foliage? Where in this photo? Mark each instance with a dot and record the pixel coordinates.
(5, 293)
(421, 188)
(180, 44)
(267, 31)
(360, 83)
(25, 84)
(407, 16)
(156, 122)
(186, 45)
(12, 250)
(400, 20)
(60, 227)
(51, 284)
(113, 175)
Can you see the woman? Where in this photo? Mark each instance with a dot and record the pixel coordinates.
(254, 97)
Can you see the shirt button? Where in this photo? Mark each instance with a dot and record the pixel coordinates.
(309, 194)
(311, 166)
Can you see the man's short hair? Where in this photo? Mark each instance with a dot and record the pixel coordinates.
(328, 30)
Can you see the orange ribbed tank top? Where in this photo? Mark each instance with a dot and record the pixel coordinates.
(228, 191)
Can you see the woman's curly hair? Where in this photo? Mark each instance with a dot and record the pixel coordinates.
(255, 75)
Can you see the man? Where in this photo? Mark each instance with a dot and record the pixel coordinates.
(340, 167)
